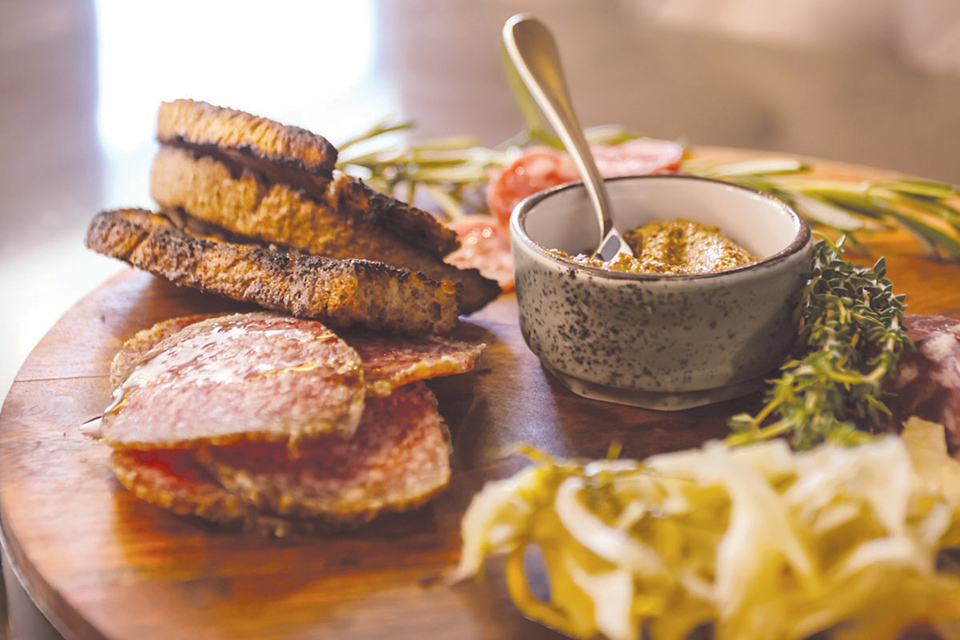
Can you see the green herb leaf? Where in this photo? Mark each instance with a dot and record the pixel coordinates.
(850, 339)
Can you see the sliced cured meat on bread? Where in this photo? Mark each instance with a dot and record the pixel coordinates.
(254, 376)
(341, 219)
(388, 361)
(341, 293)
(397, 460)
(195, 123)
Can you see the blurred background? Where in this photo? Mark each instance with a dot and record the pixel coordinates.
(875, 82)
(868, 81)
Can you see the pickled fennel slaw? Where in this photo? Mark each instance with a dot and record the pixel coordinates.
(757, 541)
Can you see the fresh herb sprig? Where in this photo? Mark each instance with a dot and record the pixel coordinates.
(454, 171)
(851, 336)
(922, 207)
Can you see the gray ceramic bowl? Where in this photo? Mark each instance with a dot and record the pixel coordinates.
(661, 342)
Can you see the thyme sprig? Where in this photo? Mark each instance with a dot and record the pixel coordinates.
(851, 337)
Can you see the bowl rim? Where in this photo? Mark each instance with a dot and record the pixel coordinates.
(520, 211)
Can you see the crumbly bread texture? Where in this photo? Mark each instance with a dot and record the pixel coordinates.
(344, 220)
(196, 123)
(341, 293)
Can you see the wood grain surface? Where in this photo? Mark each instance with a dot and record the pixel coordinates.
(102, 564)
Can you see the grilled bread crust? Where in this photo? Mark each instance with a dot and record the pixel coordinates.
(296, 156)
(190, 122)
(340, 293)
(347, 221)
(415, 226)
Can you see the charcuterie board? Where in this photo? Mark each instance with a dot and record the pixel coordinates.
(102, 564)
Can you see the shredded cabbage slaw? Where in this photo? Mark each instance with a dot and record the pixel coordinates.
(757, 541)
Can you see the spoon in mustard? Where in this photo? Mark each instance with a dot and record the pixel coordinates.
(533, 51)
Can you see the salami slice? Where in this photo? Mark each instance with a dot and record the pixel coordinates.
(174, 480)
(398, 459)
(388, 360)
(927, 382)
(540, 168)
(255, 376)
(393, 361)
(136, 348)
(485, 246)
(537, 169)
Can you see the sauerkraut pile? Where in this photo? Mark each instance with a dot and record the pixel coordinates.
(756, 542)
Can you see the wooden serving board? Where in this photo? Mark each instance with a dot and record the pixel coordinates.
(102, 564)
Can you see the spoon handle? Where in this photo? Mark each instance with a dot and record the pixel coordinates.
(533, 51)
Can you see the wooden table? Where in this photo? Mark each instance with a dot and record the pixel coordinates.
(102, 564)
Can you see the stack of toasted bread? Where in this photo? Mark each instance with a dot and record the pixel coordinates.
(254, 210)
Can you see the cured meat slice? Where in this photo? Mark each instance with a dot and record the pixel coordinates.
(927, 382)
(539, 168)
(393, 361)
(138, 346)
(388, 361)
(174, 480)
(484, 245)
(398, 459)
(254, 376)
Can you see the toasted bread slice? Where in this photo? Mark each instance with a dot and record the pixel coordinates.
(340, 293)
(347, 220)
(294, 156)
(354, 199)
(194, 123)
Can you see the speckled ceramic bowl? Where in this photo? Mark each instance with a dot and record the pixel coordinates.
(660, 342)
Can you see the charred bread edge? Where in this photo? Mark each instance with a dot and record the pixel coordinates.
(190, 122)
(307, 286)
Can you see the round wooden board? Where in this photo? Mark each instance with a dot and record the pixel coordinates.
(102, 564)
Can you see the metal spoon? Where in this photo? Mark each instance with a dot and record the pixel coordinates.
(533, 51)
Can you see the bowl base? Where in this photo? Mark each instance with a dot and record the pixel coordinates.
(658, 400)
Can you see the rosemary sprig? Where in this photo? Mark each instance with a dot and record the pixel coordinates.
(853, 208)
(453, 172)
(850, 339)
